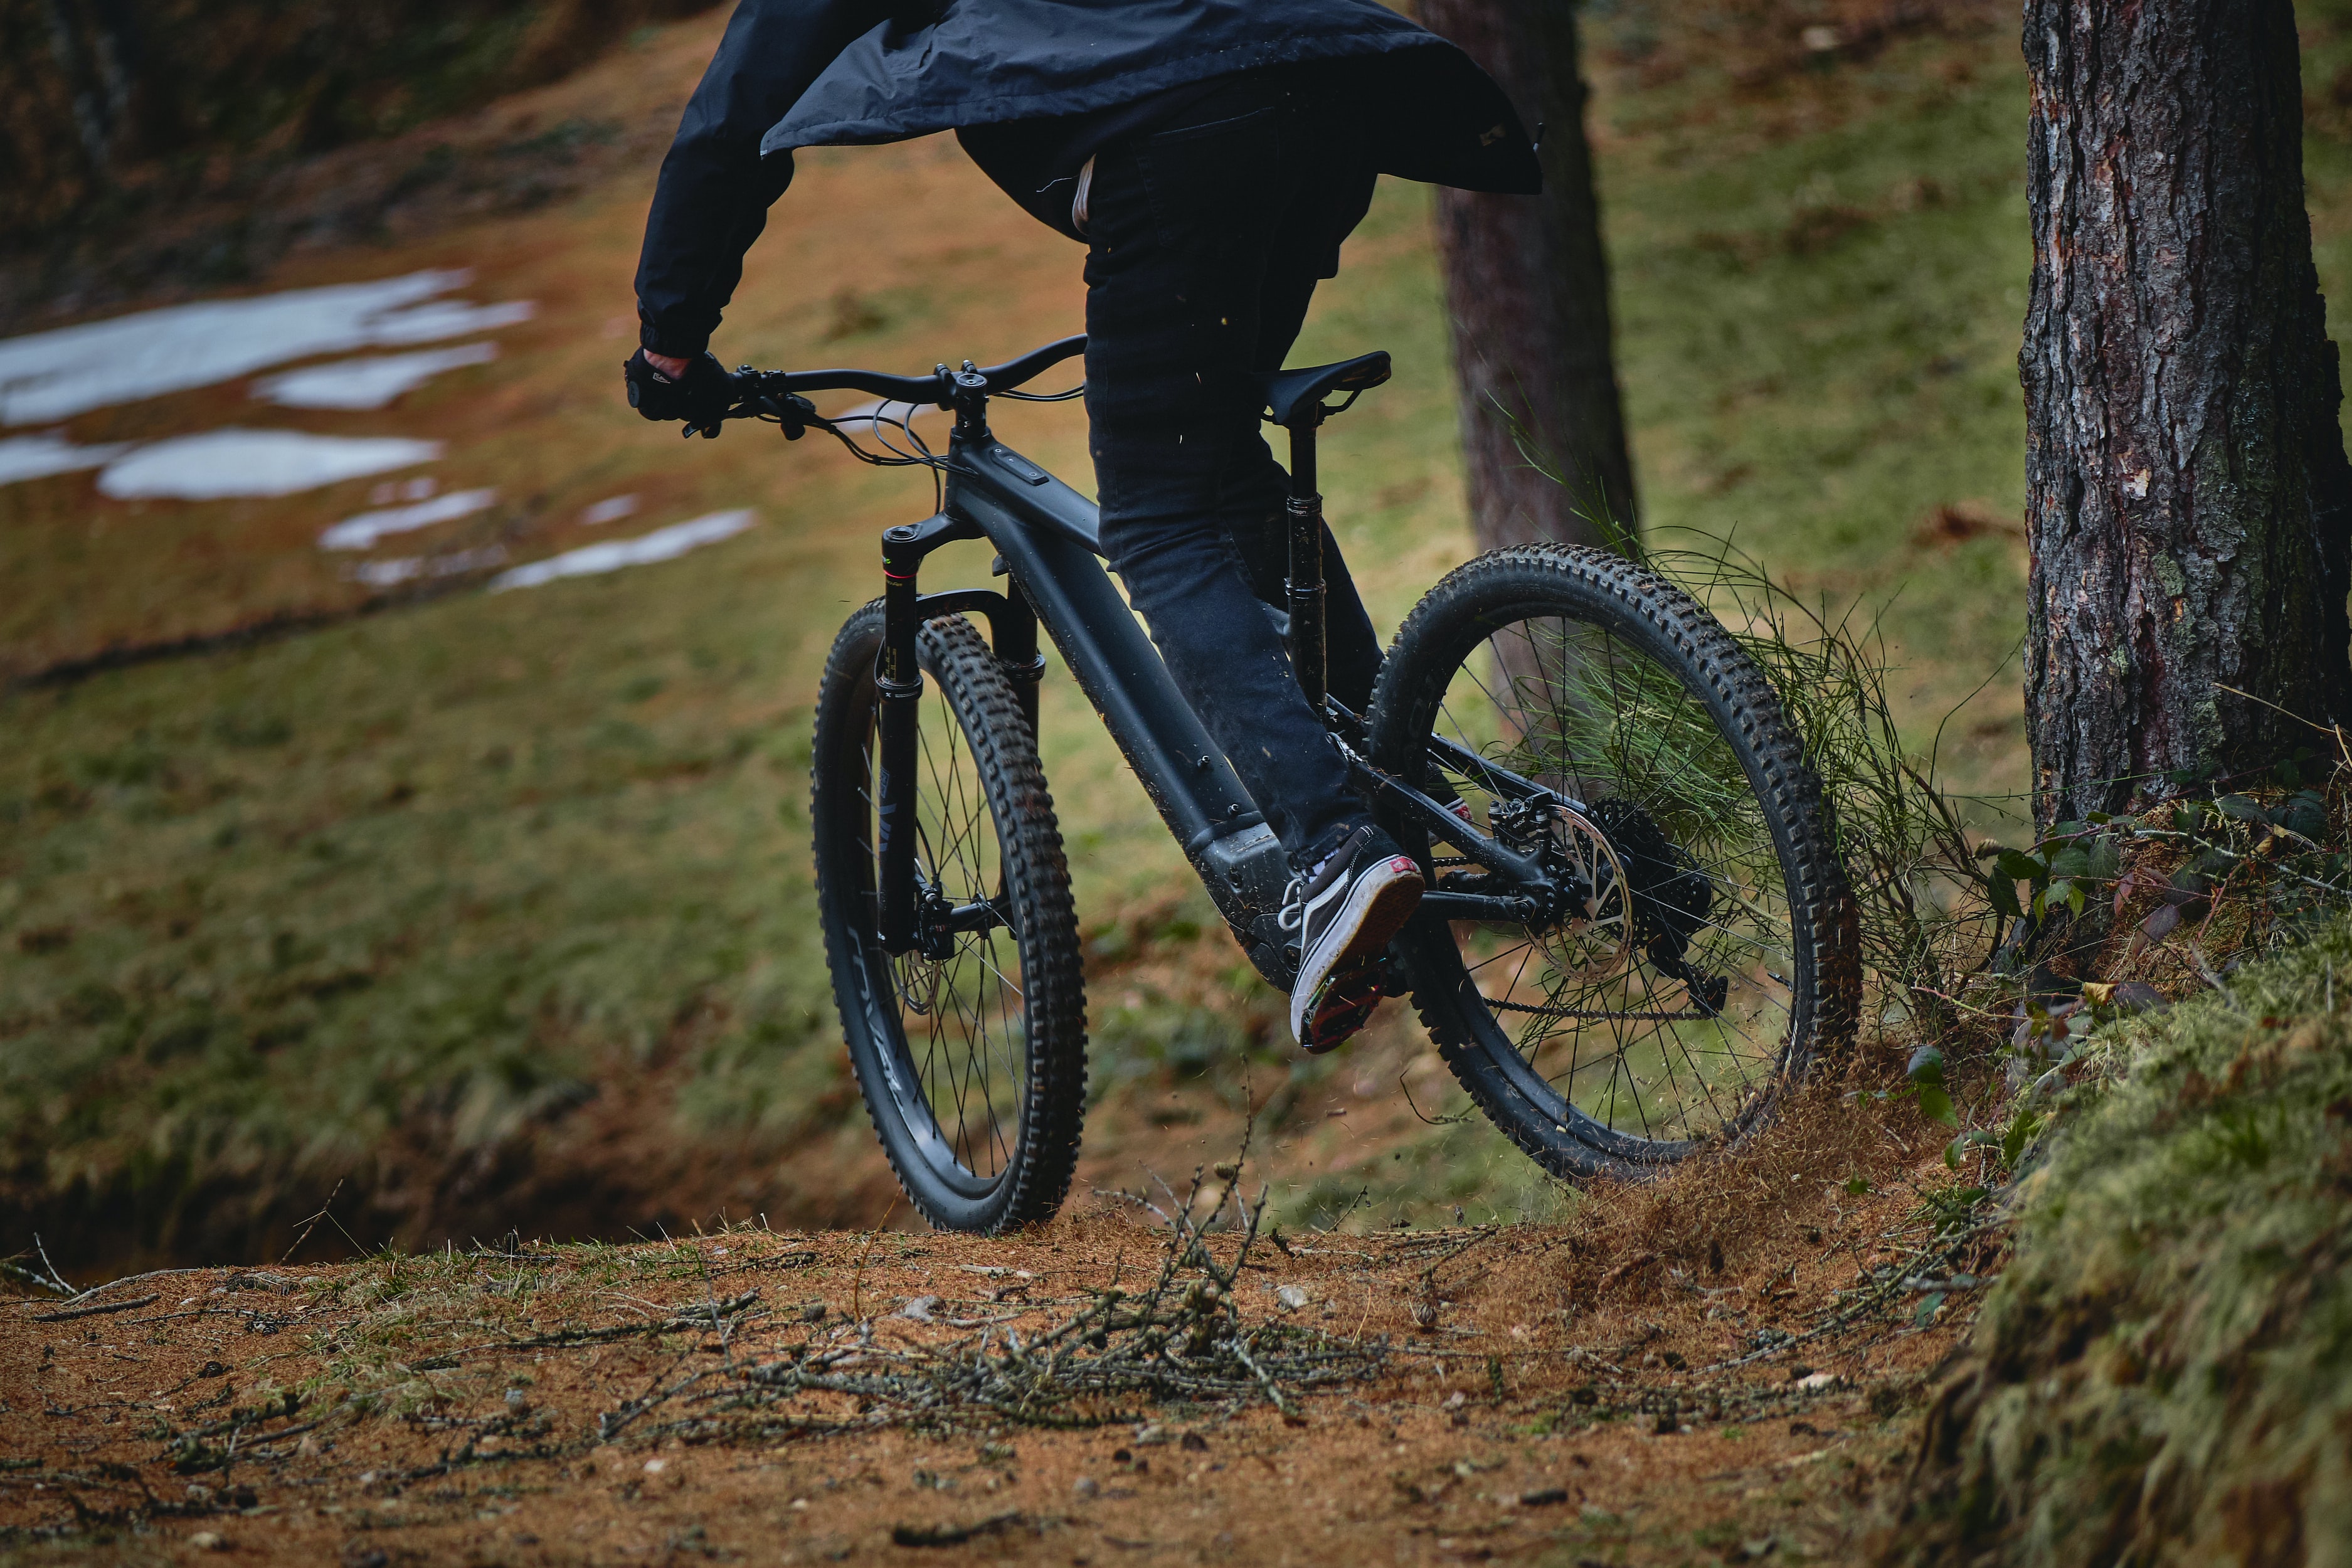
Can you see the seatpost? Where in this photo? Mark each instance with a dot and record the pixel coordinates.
(1305, 509)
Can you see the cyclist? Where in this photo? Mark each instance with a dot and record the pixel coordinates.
(1211, 154)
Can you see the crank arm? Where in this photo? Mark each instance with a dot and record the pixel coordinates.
(1510, 911)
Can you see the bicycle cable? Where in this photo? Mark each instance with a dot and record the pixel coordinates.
(900, 457)
(1077, 391)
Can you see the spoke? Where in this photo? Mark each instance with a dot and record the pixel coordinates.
(1570, 703)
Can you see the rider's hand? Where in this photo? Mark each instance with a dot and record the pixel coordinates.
(697, 390)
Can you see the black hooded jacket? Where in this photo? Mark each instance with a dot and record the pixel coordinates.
(1028, 85)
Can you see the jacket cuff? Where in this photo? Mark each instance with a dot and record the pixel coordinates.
(668, 340)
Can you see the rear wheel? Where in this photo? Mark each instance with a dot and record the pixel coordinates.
(971, 1050)
(1709, 953)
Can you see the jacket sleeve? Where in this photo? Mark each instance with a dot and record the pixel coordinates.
(711, 200)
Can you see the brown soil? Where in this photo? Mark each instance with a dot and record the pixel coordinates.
(1588, 1393)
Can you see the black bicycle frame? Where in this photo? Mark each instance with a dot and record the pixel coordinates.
(1047, 538)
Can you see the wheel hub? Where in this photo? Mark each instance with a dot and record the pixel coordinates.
(1588, 931)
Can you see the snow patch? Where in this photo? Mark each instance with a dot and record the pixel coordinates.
(235, 462)
(393, 491)
(60, 374)
(401, 568)
(661, 544)
(362, 530)
(38, 456)
(369, 382)
(612, 509)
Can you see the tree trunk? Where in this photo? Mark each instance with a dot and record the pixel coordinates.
(2187, 488)
(1526, 285)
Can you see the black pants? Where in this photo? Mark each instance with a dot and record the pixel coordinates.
(1208, 238)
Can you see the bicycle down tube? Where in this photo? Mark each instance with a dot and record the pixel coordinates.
(1046, 534)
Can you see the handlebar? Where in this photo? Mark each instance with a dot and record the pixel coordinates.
(935, 388)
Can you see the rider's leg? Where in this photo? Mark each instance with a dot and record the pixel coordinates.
(1304, 250)
(1258, 531)
(1190, 227)
(1183, 225)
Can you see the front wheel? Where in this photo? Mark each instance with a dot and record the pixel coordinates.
(971, 1048)
(1706, 953)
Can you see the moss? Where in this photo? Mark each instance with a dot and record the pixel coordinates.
(2161, 1374)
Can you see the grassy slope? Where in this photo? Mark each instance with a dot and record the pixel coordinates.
(398, 897)
(2162, 1374)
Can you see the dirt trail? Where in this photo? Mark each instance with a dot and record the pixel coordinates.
(1559, 1394)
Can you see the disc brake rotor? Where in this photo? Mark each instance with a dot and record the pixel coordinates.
(1590, 945)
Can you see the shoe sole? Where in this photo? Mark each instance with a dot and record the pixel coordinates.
(1371, 919)
(1344, 1005)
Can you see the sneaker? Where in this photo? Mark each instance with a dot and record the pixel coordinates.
(1345, 911)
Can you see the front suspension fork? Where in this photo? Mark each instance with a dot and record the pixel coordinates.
(898, 680)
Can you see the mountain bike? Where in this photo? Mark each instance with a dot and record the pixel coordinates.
(1636, 936)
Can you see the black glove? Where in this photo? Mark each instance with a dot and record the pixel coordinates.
(700, 396)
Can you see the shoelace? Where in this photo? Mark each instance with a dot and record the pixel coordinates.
(1294, 905)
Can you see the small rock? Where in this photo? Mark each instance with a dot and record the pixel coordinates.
(516, 1402)
(1548, 1498)
(1814, 1382)
(812, 1312)
(209, 1540)
(1454, 1401)
(1755, 1551)
(920, 1309)
(1085, 1488)
(1193, 1442)
(1292, 1297)
(655, 1466)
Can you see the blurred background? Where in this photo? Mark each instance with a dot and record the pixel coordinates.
(402, 804)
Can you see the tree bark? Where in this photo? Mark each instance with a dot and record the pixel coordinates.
(2187, 497)
(1526, 286)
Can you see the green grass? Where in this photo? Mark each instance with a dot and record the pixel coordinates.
(430, 880)
(2164, 1372)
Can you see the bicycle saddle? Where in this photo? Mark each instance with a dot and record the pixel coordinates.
(1289, 391)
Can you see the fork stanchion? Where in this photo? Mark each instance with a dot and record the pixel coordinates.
(1304, 586)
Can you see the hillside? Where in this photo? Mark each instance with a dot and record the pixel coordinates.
(493, 908)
